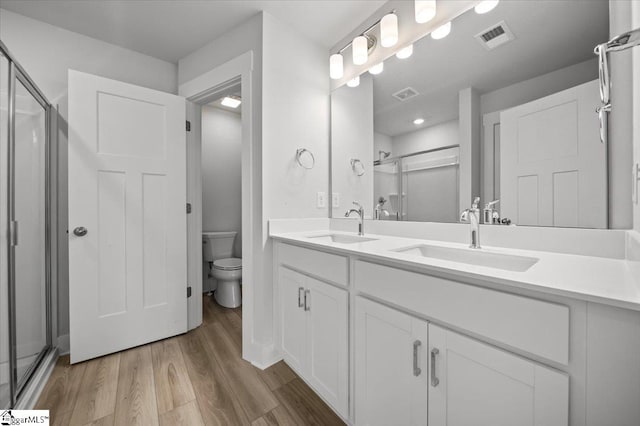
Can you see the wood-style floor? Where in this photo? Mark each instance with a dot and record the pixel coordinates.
(198, 378)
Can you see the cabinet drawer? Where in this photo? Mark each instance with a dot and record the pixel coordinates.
(331, 267)
(534, 326)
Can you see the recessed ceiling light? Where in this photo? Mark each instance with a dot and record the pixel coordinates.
(441, 32)
(354, 82)
(231, 102)
(418, 121)
(404, 53)
(485, 6)
(376, 69)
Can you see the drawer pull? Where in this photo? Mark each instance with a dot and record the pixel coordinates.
(300, 290)
(416, 369)
(307, 305)
(434, 380)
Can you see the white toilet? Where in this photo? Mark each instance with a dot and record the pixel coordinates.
(217, 249)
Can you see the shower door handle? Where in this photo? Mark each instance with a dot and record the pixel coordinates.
(80, 231)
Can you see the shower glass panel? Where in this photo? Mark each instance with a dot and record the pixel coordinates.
(30, 170)
(5, 369)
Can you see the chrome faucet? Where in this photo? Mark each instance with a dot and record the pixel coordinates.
(360, 212)
(472, 217)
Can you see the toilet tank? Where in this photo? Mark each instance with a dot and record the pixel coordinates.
(217, 245)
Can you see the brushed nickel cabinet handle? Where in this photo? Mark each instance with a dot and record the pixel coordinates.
(434, 380)
(300, 291)
(307, 297)
(416, 370)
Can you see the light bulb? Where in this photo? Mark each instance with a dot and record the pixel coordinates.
(442, 31)
(360, 47)
(336, 69)
(389, 30)
(418, 121)
(354, 82)
(486, 6)
(425, 10)
(405, 52)
(376, 69)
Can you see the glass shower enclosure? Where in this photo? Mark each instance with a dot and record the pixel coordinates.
(25, 269)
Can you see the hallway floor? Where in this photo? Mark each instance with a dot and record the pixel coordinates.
(197, 378)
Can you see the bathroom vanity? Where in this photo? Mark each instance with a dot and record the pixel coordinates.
(391, 330)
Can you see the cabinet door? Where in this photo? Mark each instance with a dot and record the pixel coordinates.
(327, 323)
(472, 383)
(292, 318)
(391, 366)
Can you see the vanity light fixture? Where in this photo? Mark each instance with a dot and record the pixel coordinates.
(486, 6)
(364, 44)
(389, 30)
(442, 31)
(425, 10)
(355, 82)
(359, 49)
(405, 52)
(377, 69)
(336, 66)
(418, 121)
(231, 102)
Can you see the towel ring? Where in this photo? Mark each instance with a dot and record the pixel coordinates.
(357, 167)
(305, 158)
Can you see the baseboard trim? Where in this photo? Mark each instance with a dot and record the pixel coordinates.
(267, 356)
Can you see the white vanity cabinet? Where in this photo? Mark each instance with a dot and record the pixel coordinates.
(313, 334)
(472, 383)
(390, 366)
(410, 372)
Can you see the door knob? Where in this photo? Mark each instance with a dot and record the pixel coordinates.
(80, 231)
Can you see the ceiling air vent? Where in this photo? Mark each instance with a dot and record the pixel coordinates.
(404, 94)
(495, 36)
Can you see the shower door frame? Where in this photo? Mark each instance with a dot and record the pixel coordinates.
(17, 74)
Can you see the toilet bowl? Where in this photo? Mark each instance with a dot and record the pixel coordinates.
(228, 273)
(219, 264)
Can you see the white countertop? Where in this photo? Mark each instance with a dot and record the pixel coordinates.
(595, 279)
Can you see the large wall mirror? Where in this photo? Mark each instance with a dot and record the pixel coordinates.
(503, 108)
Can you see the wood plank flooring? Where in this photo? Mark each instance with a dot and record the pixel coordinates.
(198, 378)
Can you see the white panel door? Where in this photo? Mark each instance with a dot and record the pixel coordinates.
(328, 347)
(293, 339)
(472, 384)
(127, 187)
(553, 166)
(391, 366)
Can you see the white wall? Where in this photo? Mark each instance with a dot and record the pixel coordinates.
(352, 137)
(221, 173)
(295, 114)
(46, 53)
(539, 87)
(443, 134)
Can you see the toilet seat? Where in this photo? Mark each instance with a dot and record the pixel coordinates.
(229, 264)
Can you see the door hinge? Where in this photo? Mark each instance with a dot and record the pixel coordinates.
(188, 208)
(188, 292)
(188, 126)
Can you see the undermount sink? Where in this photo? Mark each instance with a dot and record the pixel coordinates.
(340, 238)
(507, 262)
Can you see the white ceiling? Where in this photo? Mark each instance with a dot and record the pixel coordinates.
(550, 35)
(170, 30)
